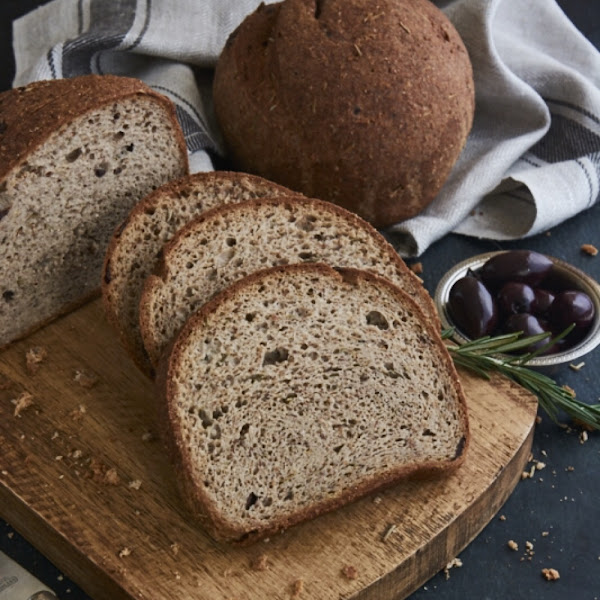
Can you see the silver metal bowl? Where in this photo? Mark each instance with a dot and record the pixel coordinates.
(577, 280)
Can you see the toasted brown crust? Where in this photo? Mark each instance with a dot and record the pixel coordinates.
(413, 285)
(362, 105)
(191, 491)
(31, 114)
(118, 247)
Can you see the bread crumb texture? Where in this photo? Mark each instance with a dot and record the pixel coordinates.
(60, 202)
(298, 387)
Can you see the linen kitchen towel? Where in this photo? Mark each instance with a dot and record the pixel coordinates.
(531, 161)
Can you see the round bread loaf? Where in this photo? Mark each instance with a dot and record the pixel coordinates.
(365, 104)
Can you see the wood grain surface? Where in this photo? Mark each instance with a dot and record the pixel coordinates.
(84, 477)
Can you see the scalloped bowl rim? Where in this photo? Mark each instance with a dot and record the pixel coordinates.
(583, 281)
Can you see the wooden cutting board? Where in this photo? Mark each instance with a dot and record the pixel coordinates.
(84, 478)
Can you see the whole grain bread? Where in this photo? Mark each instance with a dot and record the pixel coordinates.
(75, 155)
(136, 243)
(301, 388)
(232, 241)
(364, 104)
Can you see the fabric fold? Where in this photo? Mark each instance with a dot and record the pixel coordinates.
(532, 159)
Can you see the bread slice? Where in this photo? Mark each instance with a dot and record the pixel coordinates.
(232, 241)
(301, 388)
(75, 155)
(135, 245)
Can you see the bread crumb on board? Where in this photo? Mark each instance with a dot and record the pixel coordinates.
(350, 572)
(86, 379)
(124, 552)
(135, 484)
(513, 545)
(550, 574)
(297, 589)
(22, 402)
(77, 413)
(589, 249)
(34, 357)
(101, 473)
(260, 563)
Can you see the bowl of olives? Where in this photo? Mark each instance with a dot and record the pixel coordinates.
(522, 291)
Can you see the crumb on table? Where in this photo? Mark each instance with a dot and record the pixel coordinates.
(22, 402)
(589, 249)
(550, 574)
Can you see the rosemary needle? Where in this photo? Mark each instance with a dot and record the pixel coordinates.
(488, 354)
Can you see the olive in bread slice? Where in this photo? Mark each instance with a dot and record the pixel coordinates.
(232, 241)
(301, 388)
(136, 243)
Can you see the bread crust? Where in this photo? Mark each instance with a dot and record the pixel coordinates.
(362, 106)
(118, 246)
(197, 502)
(413, 285)
(32, 113)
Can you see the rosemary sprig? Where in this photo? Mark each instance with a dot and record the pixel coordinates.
(488, 354)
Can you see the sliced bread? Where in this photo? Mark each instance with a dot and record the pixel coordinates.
(230, 242)
(135, 245)
(301, 388)
(75, 156)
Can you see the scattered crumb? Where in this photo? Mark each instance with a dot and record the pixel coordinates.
(570, 468)
(455, 562)
(416, 268)
(260, 563)
(22, 402)
(10, 535)
(124, 552)
(377, 500)
(388, 532)
(550, 574)
(513, 545)
(77, 413)
(54, 435)
(147, 436)
(34, 358)
(59, 457)
(539, 465)
(177, 575)
(570, 390)
(86, 379)
(175, 548)
(350, 572)
(502, 517)
(297, 589)
(545, 533)
(76, 454)
(135, 484)
(583, 437)
(538, 420)
(589, 249)
(100, 473)
(577, 367)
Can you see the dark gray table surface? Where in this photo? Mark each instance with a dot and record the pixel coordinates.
(562, 500)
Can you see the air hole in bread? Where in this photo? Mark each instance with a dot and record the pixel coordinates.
(374, 317)
(8, 295)
(337, 449)
(119, 135)
(251, 500)
(73, 155)
(273, 357)
(101, 169)
(130, 147)
(250, 317)
(231, 241)
(428, 432)
(306, 223)
(3, 212)
(307, 256)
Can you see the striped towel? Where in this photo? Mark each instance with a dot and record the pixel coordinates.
(532, 159)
